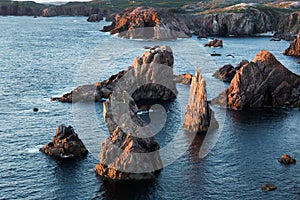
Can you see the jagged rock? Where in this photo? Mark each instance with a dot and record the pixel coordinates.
(65, 144)
(225, 73)
(149, 78)
(286, 159)
(95, 18)
(262, 82)
(214, 43)
(294, 48)
(147, 24)
(198, 114)
(268, 187)
(185, 78)
(130, 152)
(241, 64)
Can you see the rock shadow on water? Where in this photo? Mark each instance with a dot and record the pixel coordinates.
(118, 190)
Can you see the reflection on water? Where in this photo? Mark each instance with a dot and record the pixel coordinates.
(111, 190)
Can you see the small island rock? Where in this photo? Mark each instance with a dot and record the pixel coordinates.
(65, 144)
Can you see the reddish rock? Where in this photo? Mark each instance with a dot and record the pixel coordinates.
(198, 114)
(152, 71)
(268, 187)
(262, 82)
(214, 43)
(147, 24)
(294, 48)
(65, 144)
(286, 159)
(185, 78)
(130, 152)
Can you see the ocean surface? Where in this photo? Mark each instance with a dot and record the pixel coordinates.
(46, 57)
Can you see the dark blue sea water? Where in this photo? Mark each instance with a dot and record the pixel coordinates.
(45, 57)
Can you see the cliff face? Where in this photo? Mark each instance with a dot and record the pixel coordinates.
(225, 24)
(244, 23)
(262, 82)
(76, 10)
(147, 24)
(20, 10)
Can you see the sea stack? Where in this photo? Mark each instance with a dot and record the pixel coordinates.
(262, 82)
(130, 152)
(198, 113)
(65, 144)
(151, 77)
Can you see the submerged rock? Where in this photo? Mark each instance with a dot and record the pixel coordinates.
(185, 78)
(198, 113)
(225, 73)
(214, 43)
(262, 82)
(294, 48)
(268, 187)
(130, 152)
(286, 159)
(65, 144)
(149, 78)
(148, 23)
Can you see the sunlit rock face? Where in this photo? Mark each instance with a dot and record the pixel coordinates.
(262, 82)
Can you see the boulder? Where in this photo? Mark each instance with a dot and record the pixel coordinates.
(147, 23)
(130, 152)
(262, 82)
(185, 78)
(225, 73)
(294, 48)
(286, 159)
(95, 18)
(268, 187)
(149, 78)
(214, 43)
(65, 144)
(198, 114)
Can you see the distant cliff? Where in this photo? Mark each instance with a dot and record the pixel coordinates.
(248, 22)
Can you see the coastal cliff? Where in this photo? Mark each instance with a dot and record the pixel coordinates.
(243, 22)
(147, 23)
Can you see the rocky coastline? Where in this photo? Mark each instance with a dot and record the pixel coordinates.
(229, 21)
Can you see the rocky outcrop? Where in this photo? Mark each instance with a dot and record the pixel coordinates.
(225, 73)
(65, 144)
(149, 78)
(130, 152)
(286, 159)
(141, 23)
(294, 48)
(262, 82)
(184, 79)
(268, 187)
(198, 113)
(214, 43)
(95, 18)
